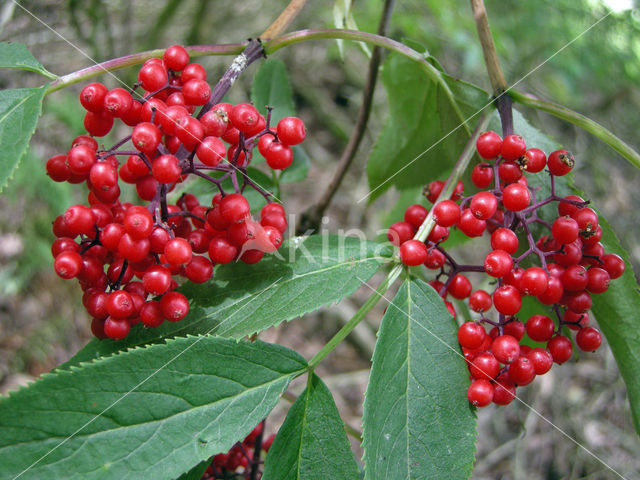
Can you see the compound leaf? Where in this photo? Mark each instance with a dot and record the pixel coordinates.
(147, 413)
(312, 442)
(16, 55)
(417, 420)
(20, 109)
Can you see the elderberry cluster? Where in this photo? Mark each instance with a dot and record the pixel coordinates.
(124, 254)
(241, 458)
(571, 265)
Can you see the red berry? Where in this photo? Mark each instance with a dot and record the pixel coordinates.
(597, 280)
(211, 151)
(515, 329)
(279, 156)
(540, 328)
(534, 160)
(515, 197)
(435, 259)
(146, 137)
(120, 304)
(199, 269)
(166, 169)
(116, 328)
(98, 124)
(471, 225)
(489, 145)
(234, 208)
(541, 360)
(504, 391)
(560, 348)
(221, 250)
(460, 287)
(291, 131)
(484, 205)
(553, 293)
(589, 339)
(505, 348)
(151, 314)
(471, 335)
(175, 57)
(521, 371)
(565, 230)
(480, 393)
(575, 278)
(507, 300)
(433, 190)
(446, 213)
(196, 92)
(174, 305)
(117, 102)
(244, 116)
(566, 208)
(80, 159)
(534, 281)
(92, 97)
(504, 239)
(153, 75)
(178, 251)
(513, 147)
(484, 366)
(415, 215)
(498, 263)
(68, 264)
(509, 172)
(613, 264)
(480, 301)
(482, 175)
(560, 162)
(400, 232)
(413, 252)
(157, 280)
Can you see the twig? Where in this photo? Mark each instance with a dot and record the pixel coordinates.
(498, 82)
(311, 219)
(284, 19)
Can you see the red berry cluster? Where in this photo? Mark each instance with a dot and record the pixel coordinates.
(123, 253)
(572, 265)
(238, 461)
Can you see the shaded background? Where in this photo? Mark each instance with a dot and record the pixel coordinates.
(42, 322)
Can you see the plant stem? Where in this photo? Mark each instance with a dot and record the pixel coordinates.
(284, 19)
(137, 59)
(311, 218)
(436, 75)
(498, 82)
(581, 121)
(359, 315)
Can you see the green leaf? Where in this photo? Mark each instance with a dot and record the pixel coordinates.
(312, 443)
(148, 413)
(196, 472)
(16, 55)
(19, 112)
(271, 87)
(617, 313)
(417, 420)
(425, 129)
(243, 299)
